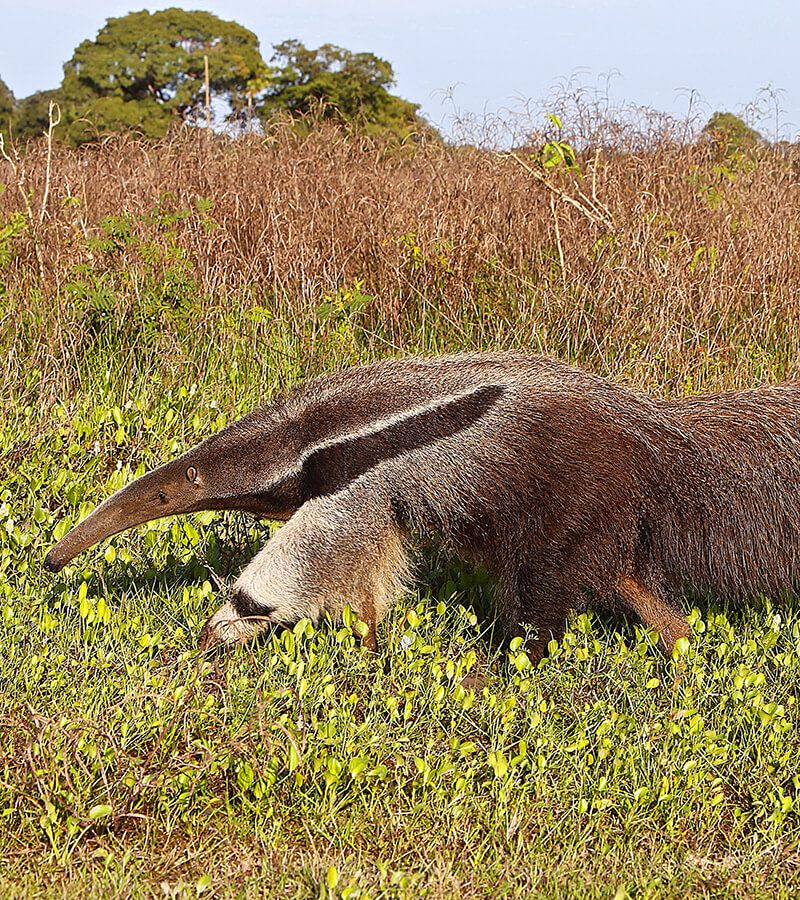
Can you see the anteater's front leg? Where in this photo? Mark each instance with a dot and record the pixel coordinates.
(335, 551)
(539, 598)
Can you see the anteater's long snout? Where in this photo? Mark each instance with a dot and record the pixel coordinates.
(162, 492)
(101, 523)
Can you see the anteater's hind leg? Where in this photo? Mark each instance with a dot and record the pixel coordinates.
(338, 550)
(655, 611)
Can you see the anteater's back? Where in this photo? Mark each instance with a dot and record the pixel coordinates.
(733, 526)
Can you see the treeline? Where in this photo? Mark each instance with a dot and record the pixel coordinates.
(148, 72)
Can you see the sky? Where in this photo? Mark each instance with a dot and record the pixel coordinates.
(472, 58)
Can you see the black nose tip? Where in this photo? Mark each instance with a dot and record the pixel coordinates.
(51, 563)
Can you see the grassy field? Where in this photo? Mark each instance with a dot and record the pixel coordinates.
(149, 295)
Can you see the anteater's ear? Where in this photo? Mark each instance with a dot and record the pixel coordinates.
(333, 465)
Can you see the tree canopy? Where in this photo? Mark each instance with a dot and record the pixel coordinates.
(8, 106)
(731, 134)
(32, 114)
(352, 86)
(146, 71)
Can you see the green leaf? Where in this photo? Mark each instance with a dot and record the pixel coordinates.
(681, 647)
(356, 766)
(498, 762)
(61, 529)
(100, 811)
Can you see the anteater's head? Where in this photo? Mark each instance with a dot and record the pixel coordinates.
(235, 469)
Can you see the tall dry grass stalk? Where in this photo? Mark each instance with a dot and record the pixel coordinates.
(692, 279)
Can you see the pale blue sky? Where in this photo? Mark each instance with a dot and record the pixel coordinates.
(493, 52)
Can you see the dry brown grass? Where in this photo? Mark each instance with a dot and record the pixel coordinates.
(694, 281)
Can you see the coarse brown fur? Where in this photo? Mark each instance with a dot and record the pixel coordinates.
(569, 489)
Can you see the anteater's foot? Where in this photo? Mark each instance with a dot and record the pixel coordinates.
(226, 628)
(370, 639)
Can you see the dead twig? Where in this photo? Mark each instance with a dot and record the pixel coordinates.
(53, 119)
(590, 207)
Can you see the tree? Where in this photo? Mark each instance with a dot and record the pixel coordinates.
(147, 70)
(731, 134)
(8, 106)
(31, 116)
(352, 86)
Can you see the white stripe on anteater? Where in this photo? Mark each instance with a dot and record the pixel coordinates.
(340, 459)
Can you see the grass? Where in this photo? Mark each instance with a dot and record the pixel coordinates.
(134, 323)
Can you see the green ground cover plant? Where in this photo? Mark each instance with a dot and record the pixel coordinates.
(158, 292)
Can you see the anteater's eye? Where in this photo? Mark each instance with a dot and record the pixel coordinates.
(162, 496)
(191, 474)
